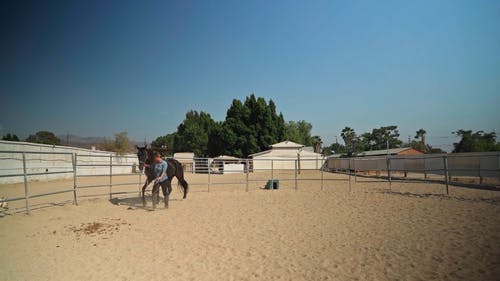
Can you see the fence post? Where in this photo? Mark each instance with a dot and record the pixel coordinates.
(272, 174)
(445, 162)
(247, 170)
(296, 186)
(354, 164)
(425, 171)
(349, 175)
(321, 176)
(75, 200)
(26, 192)
(389, 172)
(479, 172)
(140, 183)
(208, 169)
(498, 165)
(110, 175)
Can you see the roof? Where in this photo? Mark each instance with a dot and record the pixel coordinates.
(392, 151)
(226, 157)
(286, 153)
(287, 144)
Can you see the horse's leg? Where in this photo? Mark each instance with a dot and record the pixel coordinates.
(167, 189)
(143, 193)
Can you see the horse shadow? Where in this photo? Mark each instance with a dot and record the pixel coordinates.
(137, 203)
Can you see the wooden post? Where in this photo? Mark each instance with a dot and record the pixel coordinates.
(445, 162)
(26, 191)
(73, 158)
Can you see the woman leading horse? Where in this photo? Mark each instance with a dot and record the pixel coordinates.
(160, 172)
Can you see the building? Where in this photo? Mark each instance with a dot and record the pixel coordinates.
(225, 164)
(186, 159)
(285, 155)
(392, 151)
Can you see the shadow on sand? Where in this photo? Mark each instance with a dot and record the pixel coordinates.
(136, 202)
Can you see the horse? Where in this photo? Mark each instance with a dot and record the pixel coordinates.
(146, 164)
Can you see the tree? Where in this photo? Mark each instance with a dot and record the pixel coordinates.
(334, 148)
(350, 139)
(420, 134)
(44, 137)
(380, 137)
(165, 143)
(317, 143)
(475, 141)
(10, 137)
(192, 134)
(249, 127)
(299, 132)
(121, 144)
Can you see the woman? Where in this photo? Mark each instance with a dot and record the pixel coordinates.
(160, 169)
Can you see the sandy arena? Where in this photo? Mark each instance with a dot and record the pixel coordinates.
(411, 233)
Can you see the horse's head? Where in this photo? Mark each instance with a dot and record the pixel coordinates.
(143, 156)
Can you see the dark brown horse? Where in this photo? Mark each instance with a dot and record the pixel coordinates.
(146, 164)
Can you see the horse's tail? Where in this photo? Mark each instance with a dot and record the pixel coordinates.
(179, 174)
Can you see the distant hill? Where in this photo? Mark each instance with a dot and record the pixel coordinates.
(85, 142)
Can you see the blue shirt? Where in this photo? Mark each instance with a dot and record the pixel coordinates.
(161, 168)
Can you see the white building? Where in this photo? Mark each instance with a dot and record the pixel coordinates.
(284, 155)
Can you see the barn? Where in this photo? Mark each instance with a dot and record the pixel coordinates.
(284, 155)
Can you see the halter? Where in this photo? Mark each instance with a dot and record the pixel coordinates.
(146, 158)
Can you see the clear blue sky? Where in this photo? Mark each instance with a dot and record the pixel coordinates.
(93, 68)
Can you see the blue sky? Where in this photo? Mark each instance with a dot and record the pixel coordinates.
(93, 68)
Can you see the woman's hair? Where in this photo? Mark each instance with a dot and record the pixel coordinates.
(157, 154)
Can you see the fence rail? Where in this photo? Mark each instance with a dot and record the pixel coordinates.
(78, 167)
(464, 168)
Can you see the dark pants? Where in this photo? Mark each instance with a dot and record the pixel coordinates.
(166, 187)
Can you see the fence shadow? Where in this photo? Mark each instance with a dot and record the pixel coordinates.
(494, 201)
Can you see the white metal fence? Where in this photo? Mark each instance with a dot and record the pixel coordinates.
(462, 168)
(119, 174)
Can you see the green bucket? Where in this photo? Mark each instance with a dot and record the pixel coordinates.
(272, 184)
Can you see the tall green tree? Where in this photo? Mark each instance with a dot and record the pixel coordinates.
(475, 141)
(44, 137)
(351, 140)
(10, 137)
(250, 127)
(317, 144)
(192, 134)
(379, 137)
(299, 132)
(165, 143)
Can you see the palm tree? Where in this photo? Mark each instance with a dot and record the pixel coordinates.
(317, 143)
(420, 134)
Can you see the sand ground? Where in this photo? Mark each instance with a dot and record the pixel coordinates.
(313, 233)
